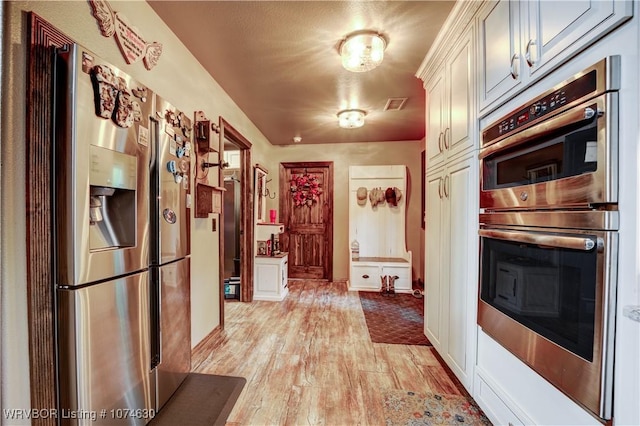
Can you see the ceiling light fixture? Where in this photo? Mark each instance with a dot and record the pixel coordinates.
(362, 51)
(351, 118)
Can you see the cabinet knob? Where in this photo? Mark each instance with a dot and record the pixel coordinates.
(365, 276)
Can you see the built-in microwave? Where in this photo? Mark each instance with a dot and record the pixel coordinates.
(559, 150)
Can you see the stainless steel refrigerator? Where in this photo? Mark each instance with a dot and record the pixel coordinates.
(170, 248)
(101, 215)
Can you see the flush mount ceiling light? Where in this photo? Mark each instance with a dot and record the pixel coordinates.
(362, 51)
(351, 118)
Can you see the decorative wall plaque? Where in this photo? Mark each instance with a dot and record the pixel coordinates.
(131, 43)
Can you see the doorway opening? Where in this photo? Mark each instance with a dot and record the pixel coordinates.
(236, 237)
(232, 220)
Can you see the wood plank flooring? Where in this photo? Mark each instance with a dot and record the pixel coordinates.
(308, 360)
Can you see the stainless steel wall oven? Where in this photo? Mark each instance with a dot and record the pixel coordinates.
(548, 234)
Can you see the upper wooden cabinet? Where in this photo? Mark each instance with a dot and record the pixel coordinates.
(449, 105)
(521, 41)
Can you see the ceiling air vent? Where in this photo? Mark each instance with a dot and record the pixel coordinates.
(395, 104)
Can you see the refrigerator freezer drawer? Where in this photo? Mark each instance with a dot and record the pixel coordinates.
(175, 328)
(104, 351)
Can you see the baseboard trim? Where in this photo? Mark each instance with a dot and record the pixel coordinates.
(204, 349)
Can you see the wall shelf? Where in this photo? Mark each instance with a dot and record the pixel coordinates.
(208, 200)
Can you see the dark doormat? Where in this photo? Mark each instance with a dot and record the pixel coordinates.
(396, 318)
(201, 400)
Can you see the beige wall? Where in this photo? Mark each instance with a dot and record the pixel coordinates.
(343, 156)
(179, 78)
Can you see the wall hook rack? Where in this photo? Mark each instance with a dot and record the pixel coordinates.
(267, 193)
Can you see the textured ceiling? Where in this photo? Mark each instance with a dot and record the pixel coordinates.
(278, 60)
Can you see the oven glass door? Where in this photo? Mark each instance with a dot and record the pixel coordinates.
(547, 295)
(548, 282)
(562, 154)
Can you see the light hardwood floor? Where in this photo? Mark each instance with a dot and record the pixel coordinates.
(308, 360)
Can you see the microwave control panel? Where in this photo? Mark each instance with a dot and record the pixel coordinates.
(552, 101)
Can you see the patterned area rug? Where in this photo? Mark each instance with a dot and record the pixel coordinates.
(396, 319)
(425, 408)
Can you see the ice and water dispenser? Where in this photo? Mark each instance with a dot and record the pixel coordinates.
(112, 199)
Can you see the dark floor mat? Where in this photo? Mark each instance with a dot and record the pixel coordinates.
(201, 400)
(396, 318)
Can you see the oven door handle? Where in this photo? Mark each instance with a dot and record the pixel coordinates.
(572, 116)
(559, 241)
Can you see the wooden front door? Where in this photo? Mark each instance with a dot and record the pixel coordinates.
(307, 215)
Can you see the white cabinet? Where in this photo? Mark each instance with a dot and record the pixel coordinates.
(494, 407)
(451, 264)
(435, 119)
(500, 60)
(554, 26)
(449, 105)
(379, 228)
(367, 273)
(451, 194)
(521, 41)
(434, 265)
(271, 275)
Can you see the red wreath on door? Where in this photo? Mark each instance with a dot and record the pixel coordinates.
(305, 189)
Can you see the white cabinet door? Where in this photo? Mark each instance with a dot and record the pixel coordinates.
(554, 26)
(267, 278)
(519, 41)
(449, 105)
(434, 268)
(457, 135)
(500, 58)
(451, 266)
(403, 273)
(461, 247)
(435, 119)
